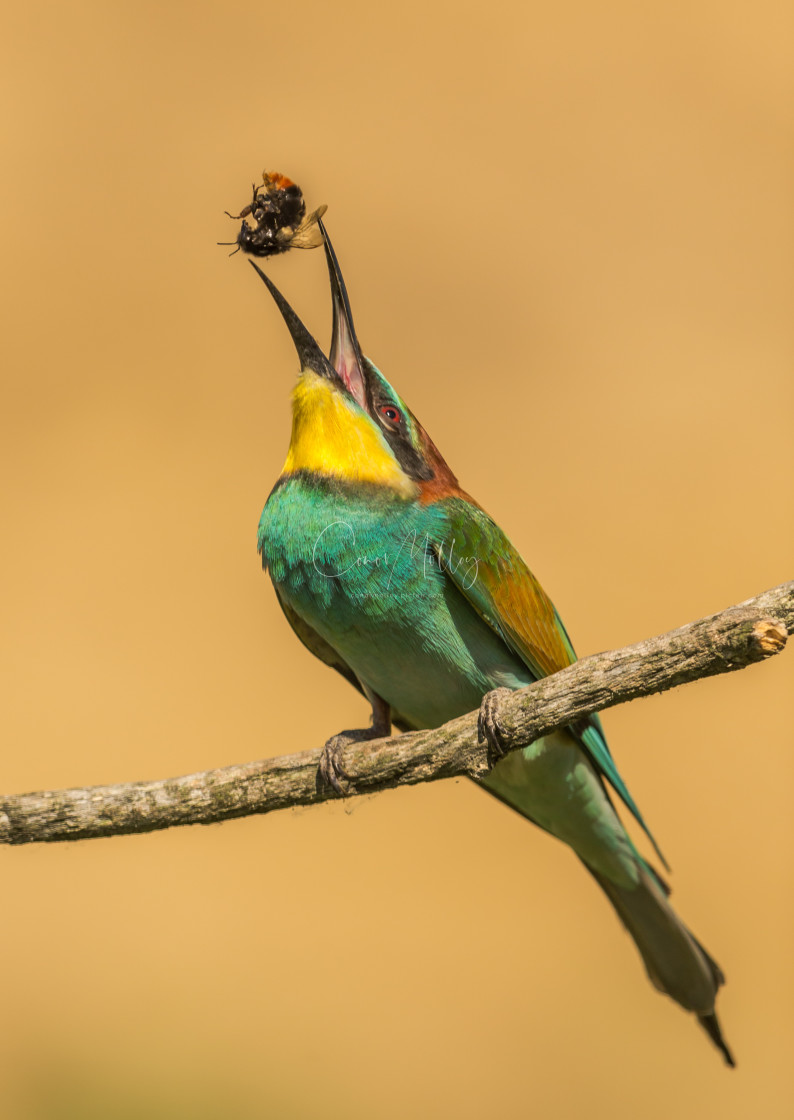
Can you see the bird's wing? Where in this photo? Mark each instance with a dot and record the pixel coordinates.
(483, 564)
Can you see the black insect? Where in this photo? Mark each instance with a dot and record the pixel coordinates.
(275, 219)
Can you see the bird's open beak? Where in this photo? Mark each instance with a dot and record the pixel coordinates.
(345, 364)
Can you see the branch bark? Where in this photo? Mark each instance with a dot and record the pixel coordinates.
(721, 643)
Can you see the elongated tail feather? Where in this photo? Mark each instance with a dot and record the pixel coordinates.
(674, 959)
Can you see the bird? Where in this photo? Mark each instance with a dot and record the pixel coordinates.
(391, 574)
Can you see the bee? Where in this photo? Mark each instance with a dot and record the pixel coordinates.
(275, 219)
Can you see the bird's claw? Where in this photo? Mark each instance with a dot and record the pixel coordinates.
(489, 729)
(331, 770)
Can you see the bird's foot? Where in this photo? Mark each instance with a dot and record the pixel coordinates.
(489, 729)
(332, 770)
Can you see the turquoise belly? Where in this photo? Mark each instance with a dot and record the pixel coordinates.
(360, 568)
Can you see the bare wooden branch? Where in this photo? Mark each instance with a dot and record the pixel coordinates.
(722, 643)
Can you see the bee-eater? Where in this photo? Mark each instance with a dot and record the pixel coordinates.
(394, 576)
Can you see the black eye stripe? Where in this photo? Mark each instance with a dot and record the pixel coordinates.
(394, 432)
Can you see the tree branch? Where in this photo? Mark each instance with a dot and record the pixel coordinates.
(722, 643)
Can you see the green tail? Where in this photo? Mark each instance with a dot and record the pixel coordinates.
(674, 959)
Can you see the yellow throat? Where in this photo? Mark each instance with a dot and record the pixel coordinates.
(332, 436)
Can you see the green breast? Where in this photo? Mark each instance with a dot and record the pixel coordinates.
(359, 565)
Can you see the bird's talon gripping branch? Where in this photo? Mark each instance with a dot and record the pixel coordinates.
(489, 729)
(331, 770)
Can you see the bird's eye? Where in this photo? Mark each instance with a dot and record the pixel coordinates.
(391, 413)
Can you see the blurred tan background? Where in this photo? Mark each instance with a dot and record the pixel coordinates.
(567, 234)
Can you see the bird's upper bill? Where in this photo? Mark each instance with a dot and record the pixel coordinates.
(344, 364)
